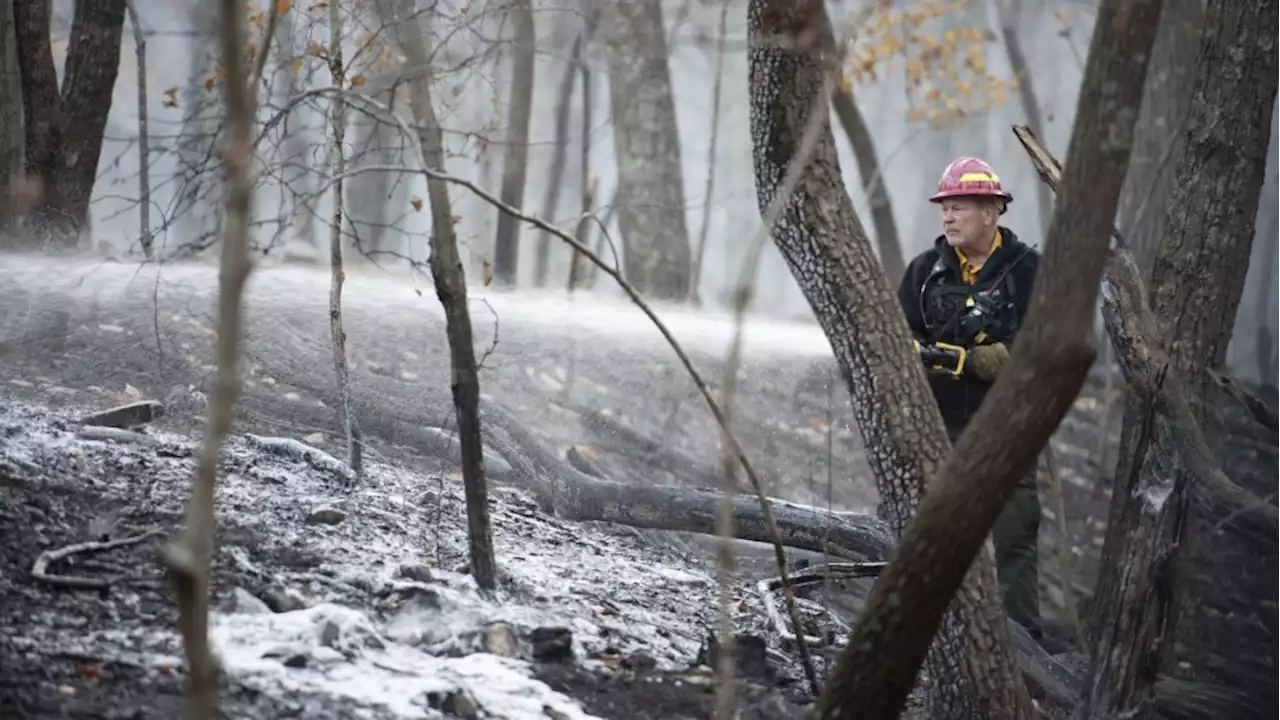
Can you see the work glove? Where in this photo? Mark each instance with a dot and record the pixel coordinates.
(987, 360)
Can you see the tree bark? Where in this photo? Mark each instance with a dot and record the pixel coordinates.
(451, 288)
(1049, 362)
(93, 63)
(1138, 612)
(41, 105)
(1157, 147)
(1197, 282)
(651, 197)
(829, 254)
(515, 159)
(11, 122)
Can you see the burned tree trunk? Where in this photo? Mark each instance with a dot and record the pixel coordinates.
(655, 233)
(1191, 554)
(829, 254)
(64, 130)
(515, 159)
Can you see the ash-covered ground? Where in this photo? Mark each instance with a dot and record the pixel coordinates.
(337, 599)
(333, 599)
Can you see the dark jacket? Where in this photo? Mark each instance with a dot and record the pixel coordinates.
(934, 298)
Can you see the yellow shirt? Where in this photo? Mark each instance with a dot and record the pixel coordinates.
(969, 270)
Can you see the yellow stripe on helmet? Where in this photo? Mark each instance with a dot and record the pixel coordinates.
(979, 177)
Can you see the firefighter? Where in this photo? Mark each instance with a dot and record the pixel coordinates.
(964, 299)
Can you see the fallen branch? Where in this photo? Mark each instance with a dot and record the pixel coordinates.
(40, 568)
(1256, 406)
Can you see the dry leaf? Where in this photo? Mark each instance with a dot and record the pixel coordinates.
(283, 6)
(170, 97)
(298, 63)
(357, 81)
(416, 202)
(315, 50)
(488, 272)
(209, 82)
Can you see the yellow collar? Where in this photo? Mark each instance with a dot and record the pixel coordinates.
(969, 271)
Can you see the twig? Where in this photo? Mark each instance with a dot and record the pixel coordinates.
(1256, 406)
(189, 558)
(337, 276)
(144, 170)
(40, 569)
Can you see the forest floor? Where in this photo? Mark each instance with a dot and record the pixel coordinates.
(342, 600)
(333, 602)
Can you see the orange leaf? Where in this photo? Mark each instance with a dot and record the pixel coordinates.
(357, 81)
(416, 202)
(283, 6)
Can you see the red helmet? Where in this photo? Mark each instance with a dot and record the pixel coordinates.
(969, 176)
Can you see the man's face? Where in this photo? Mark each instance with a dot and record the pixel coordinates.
(969, 223)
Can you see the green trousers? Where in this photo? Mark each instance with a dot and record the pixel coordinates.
(1016, 538)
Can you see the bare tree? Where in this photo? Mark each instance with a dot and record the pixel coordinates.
(451, 289)
(651, 198)
(189, 559)
(337, 334)
(560, 156)
(829, 254)
(515, 159)
(64, 163)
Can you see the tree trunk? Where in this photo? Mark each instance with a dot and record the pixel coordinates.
(1197, 281)
(43, 110)
(10, 116)
(515, 159)
(1165, 103)
(651, 198)
(1009, 12)
(93, 62)
(864, 152)
(451, 288)
(559, 158)
(829, 254)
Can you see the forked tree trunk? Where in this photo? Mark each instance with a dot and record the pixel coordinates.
(64, 137)
(829, 254)
(651, 198)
